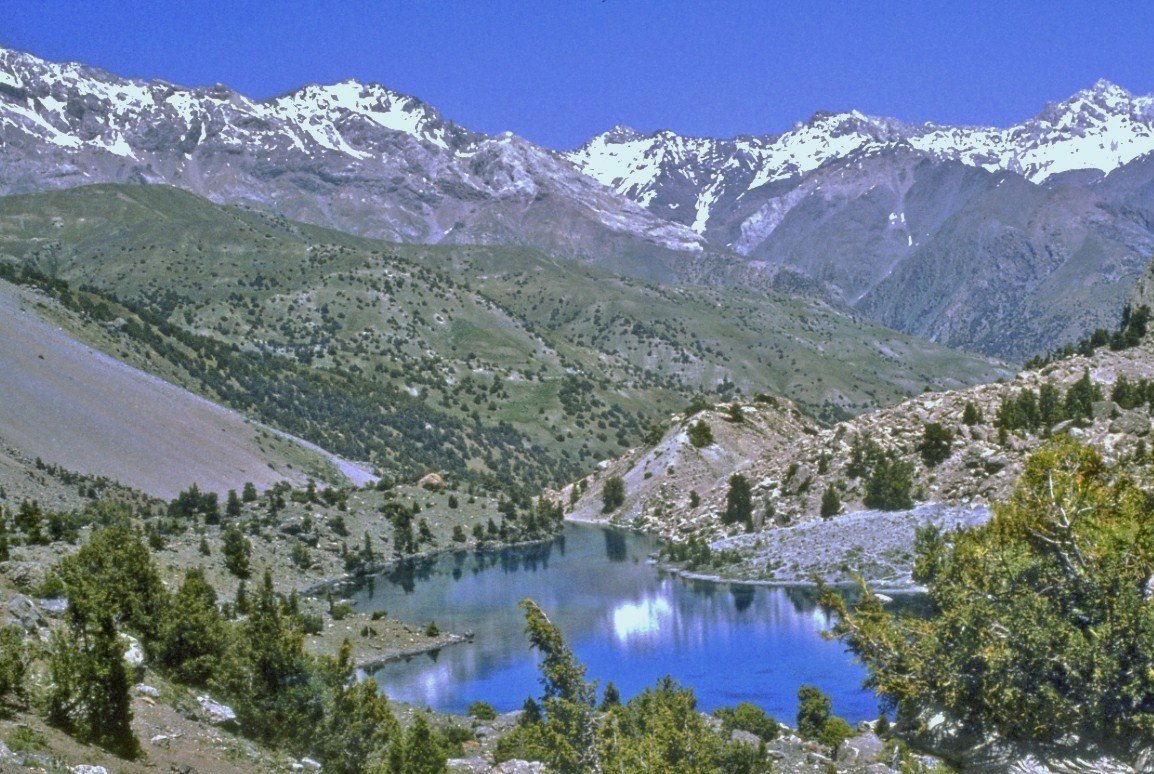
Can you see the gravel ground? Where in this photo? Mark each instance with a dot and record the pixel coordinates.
(878, 545)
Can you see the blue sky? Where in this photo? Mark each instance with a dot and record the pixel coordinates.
(559, 71)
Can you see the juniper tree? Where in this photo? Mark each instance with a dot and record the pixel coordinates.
(738, 502)
(1043, 624)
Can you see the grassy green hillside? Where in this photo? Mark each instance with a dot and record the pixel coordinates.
(480, 361)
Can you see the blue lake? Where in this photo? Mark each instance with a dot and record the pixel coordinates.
(628, 622)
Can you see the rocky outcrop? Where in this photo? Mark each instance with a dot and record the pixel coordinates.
(790, 462)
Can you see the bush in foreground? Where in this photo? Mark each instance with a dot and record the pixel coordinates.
(1044, 621)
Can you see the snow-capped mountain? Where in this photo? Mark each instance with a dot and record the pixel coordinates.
(1003, 240)
(683, 178)
(355, 156)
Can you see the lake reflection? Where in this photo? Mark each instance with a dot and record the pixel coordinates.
(627, 621)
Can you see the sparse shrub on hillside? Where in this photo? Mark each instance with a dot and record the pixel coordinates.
(863, 456)
(14, 659)
(481, 710)
(698, 404)
(700, 434)
(193, 634)
(236, 551)
(1081, 397)
(738, 502)
(89, 691)
(815, 720)
(192, 503)
(971, 414)
(612, 494)
(653, 434)
(889, 485)
(935, 444)
(750, 718)
(232, 506)
(830, 503)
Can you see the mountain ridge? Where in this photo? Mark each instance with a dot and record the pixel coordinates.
(909, 224)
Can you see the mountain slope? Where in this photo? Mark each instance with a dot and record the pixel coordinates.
(353, 156)
(1001, 240)
(791, 464)
(461, 357)
(76, 407)
(996, 240)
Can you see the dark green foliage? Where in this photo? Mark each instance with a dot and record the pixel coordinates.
(693, 553)
(30, 520)
(738, 501)
(1131, 330)
(5, 554)
(236, 551)
(815, 719)
(267, 675)
(935, 444)
(248, 494)
(653, 434)
(232, 506)
(889, 485)
(694, 498)
(1043, 625)
(192, 502)
(830, 503)
(89, 693)
(193, 634)
(700, 434)
(359, 727)
(748, 717)
(1051, 408)
(612, 494)
(113, 574)
(813, 710)
(971, 414)
(481, 710)
(610, 698)
(422, 752)
(733, 413)
(1081, 396)
(863, 456)
(14, 658)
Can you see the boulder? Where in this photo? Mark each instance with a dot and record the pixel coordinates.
(860, 749)
(433, 482)
(746, 738)
(519, 767)
(53, 607)
(1063, 427)
(474, 765)
(1103, 409)
(134, 651)
(1130, 423)
(86, 769)
(25, 613)
(218, 714)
